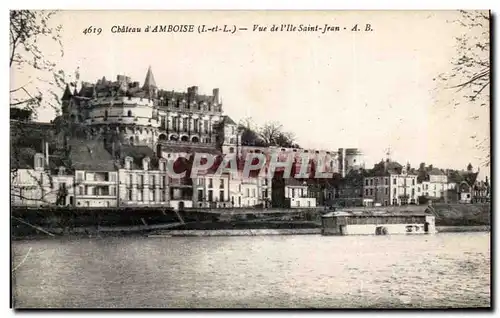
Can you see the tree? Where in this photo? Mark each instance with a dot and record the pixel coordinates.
(470, 73)
(270, 132)
(285, 139)
(250, 137)
(29, 30)
(273, 135)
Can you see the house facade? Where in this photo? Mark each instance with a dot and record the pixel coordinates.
(391, 183)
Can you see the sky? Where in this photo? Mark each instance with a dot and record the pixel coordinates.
(369, 90)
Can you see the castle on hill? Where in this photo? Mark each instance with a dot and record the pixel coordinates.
(124, 112)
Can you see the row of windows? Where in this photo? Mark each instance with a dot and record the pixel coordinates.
(129, 114)
(151, 194)
(87, 190)
(183, 104)
(300, 192)
(381, 220)
(177, 121)
(163, 181)
(386, 191)
(375, 181)
(96, 176)
(210, 196)
(152, 180)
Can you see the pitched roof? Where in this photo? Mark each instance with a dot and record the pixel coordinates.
(435, 172)
(228, 120)
(384, 168)
(470, 177)
(294, 182)
(138, 153)
(90, 155)
(150, 79)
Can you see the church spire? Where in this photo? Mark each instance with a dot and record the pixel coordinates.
(67, 93)
(149, 82)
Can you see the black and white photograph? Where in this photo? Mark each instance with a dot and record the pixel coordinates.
(250, 159)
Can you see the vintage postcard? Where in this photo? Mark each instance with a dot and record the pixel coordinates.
(250, 159)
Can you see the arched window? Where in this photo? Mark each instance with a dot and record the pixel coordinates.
(231, 150)
(131, 140)
(129, 113)
(185, 138)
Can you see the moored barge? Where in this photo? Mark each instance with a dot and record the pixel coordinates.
(379, 221)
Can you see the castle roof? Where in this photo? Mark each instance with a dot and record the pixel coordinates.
(150, 79)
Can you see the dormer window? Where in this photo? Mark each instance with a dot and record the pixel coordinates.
(145, 163)
(162, 165)
(39, 161)
(128, 163)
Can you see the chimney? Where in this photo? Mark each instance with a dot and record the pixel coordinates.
(47, 153)
(216, 95)
(194, 90)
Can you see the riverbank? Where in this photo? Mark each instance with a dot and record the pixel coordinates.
(222, 232)
(310, 231)
(29, 223)
(255, 232)
(462, 214)
(455, 229)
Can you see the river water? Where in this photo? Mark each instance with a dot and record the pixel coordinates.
(442, 270)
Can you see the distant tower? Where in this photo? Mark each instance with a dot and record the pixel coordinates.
(349, 159)
(77, 83)
(469, 167)
(388, 153)
(150, 84)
